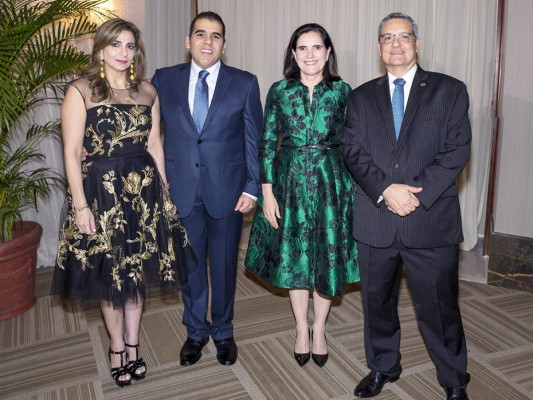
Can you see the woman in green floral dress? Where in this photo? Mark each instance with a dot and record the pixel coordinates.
(301, 236)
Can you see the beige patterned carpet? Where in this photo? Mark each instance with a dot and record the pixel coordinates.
(51, 352)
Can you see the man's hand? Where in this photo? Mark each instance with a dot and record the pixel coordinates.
(400, 199)
(245, 204)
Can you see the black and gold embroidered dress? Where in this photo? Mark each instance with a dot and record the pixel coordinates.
(140, 240)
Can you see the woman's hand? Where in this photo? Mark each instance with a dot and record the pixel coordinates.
(85, 220)
(270, 206)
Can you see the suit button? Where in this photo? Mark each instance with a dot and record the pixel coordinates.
(396, 166)
(199, 141)
(196, 165)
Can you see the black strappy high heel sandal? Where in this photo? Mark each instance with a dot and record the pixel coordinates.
(117, 373)
(136, 364)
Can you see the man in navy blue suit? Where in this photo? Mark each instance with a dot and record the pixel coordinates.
(212, 117)
(406, 139)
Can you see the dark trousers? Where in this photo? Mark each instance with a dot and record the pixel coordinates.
(433, 278)
(217, 239)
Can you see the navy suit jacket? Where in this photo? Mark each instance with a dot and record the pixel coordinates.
(223, 158)
(432, 149)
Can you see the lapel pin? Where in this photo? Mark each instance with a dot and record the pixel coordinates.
(423, 84)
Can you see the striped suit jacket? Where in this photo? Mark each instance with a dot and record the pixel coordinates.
(432, 148)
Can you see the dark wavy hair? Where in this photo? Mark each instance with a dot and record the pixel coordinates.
(291, 70)
(104, 36)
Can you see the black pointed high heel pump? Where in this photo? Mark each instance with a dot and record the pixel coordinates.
(303, 358)
(320, 359)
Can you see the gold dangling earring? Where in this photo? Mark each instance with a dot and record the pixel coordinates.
(102, 72)
(132, 72)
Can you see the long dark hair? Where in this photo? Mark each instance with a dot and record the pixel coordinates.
(104, 36)
(291, 70)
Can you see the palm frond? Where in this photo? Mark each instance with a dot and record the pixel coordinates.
(36, 56)
(21, 185)
(36, 48)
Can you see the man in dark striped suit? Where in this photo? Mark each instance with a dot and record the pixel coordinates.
(405, 142)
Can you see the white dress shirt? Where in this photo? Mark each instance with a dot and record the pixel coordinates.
(211, 82)
(408, 77)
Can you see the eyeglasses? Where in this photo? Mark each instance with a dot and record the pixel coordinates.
(404, 37)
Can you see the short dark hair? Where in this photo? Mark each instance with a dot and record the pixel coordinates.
(211, 16)
(291, 70)
(399, 15)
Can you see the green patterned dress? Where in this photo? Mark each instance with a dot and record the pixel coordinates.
(313, 247)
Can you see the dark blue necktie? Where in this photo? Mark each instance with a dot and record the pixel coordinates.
(397, 104)
(201, 100)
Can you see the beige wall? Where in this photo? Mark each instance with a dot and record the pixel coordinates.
(513, 213)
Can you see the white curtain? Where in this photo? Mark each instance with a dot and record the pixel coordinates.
(48, 213)
(167, 25)
(466, 49)
(458, 37)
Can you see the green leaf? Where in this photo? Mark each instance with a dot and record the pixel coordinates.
(36, 56)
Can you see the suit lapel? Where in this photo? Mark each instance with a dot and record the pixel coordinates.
(418, 88)
(223, 83)
(182, 91)
(382, 93)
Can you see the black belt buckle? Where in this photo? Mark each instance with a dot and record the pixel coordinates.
(312, 147)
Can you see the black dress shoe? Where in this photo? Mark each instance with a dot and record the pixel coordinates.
(372, 384)
(226, 351)
(456, 394)
(192, 351)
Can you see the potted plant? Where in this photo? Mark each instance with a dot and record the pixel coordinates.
(37, 55)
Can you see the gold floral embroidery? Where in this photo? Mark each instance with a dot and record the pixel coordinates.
(124, 130)
(132, 184)
(126, 126)
(126, 191)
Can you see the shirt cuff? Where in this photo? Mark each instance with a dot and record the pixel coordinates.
(249, 195)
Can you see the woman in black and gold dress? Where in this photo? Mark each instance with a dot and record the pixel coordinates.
(122, 231)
